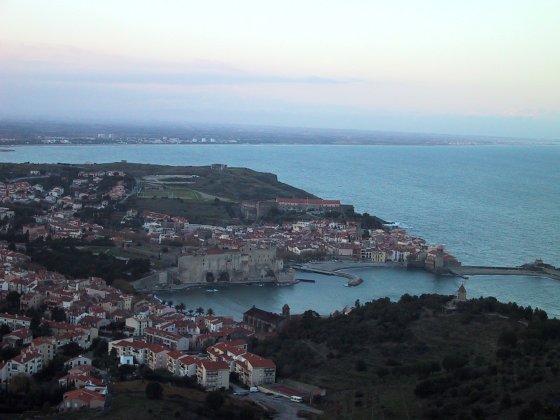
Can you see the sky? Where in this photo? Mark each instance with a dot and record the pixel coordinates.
(486, 67)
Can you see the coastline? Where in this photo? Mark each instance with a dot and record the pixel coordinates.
(336, 268)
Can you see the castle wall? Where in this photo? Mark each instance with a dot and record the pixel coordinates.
(249, 264)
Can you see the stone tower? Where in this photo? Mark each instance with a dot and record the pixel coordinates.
(438, 267)
(462, 294)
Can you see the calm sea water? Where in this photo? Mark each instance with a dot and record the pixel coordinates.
(329, 293)
(487, 204)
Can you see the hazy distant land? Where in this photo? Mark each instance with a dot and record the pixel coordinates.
(49, 132)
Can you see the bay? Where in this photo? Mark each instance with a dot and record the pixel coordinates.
(492, 205)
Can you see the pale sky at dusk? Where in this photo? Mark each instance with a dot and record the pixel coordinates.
(473, 67)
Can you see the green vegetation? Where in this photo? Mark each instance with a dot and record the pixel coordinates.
(171, 192)
(204, 212)
(154, 391)
(64, 257)
(409, 359)
(237, 184)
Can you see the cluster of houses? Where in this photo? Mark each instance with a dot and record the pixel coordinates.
(320, 237)
(86, 304)
(19, 192)
(327, 238)
(162, 337)
(24, 193)
(160, 227)
(59, 222)
(211, 371)
(154, 334)
(36, 353)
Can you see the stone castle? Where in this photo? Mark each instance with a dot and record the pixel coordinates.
(248, 264)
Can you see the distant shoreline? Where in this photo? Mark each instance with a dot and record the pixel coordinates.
(295, 143)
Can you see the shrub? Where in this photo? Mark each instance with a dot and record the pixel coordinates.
(360, 366)
(508, 338)
(154, 391)
(214, 400)
(432, 386)
(454, 361)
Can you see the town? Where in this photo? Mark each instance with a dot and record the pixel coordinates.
(83, 325)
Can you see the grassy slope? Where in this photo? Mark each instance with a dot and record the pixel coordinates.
(235, 183)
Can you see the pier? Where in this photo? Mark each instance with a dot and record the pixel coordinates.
(333, 269)
(479, 270)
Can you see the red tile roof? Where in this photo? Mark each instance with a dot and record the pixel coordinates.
(210, 365)
(83, 395)
(258, 361)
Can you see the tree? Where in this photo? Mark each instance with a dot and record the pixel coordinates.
(20, 384)
(4, 329)
(508, 338)
(7, 353)
(360, 366)
(214, 400)
(199, 310)
(12, 299)
(180, 307)
(99, 347)
(58, 314)
(454, 361)
(35, 325)
(210, 312)
(125, 370)
(71, 349)
(154, 391)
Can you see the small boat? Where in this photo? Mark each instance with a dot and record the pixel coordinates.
(212, 290)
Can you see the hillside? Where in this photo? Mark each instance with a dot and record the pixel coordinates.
(200, 193)
(236, 184)
(411, 360)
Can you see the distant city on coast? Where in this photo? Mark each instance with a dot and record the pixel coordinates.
(49, 133)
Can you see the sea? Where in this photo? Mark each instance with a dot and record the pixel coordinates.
(489, 205)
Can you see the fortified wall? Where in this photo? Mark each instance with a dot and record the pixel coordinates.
(248, 264)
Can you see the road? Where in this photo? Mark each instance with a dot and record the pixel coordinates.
(284, 408)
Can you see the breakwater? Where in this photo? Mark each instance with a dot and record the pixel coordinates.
(333, 268)
(479, 270)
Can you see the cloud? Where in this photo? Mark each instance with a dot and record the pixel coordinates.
(62, 83)
(73, 65)
(185, 77)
